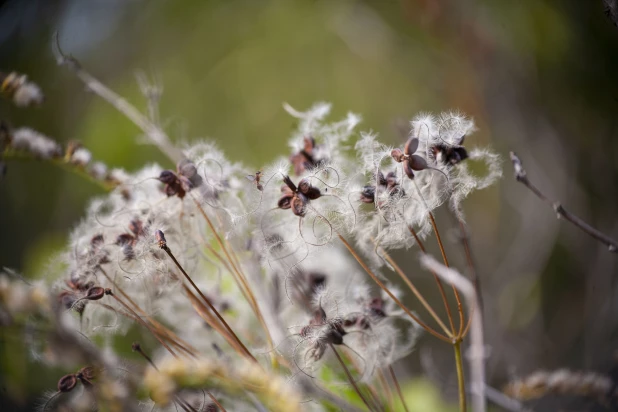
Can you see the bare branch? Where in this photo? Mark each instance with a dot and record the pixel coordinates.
(522, 177)
(157, 136)
(476, 355)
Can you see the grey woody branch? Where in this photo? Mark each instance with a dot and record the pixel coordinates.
(522, 177)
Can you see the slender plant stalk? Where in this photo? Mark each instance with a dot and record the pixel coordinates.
(349, 375)
(241, 280)
(221, 408)
(165, 332)
(387, 389)
(204, 313)
(443, 252)
(522, 177)
(394, 377)
(156, 333)
(476, 355)
(140, 320)
(152, 131)
(461, 385)
(210, 305)
(418, 295)
(389, 293)
(437, 278)
(63, 164)
(372, 391)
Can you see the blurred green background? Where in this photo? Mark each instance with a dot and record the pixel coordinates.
(538, 76)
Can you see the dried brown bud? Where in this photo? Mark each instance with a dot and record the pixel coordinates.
(95, 293)
(125, 239)
(299, 203)
(97, 240)
(308, 190)
(398, 155)
(368, 194)
(408, 169)
(285, 202)
(288, 182)
(168, 177)
(67, 383)
(86, 373)
(160, 236)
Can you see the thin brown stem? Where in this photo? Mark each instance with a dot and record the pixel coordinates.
(522, 177)
(140, 320)
(443, 252)
(418, 295)
(394, 377)
(392, 296)
(438, 281)
(240, 279)
(163, 331)
(207, 301)
(221, 408)
(372, 392)
(204, 313)
(350, 377)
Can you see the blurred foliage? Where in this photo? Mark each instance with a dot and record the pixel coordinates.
(537, 75)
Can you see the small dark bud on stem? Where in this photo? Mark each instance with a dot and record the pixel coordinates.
(160, 236)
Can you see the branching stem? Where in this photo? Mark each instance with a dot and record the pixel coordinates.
(392, 296)
(522, 177)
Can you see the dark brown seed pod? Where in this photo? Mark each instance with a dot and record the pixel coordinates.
(95, 293)
(285, 202)
(313, 193)
(417, 163)
(411, 146)
(398, 155)
(168, 177)
(288, 182)
(125, 239)
(308, 190)
(67, 383)
(368, 194)
(299, 203)
(304, 186)
(408, 169)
